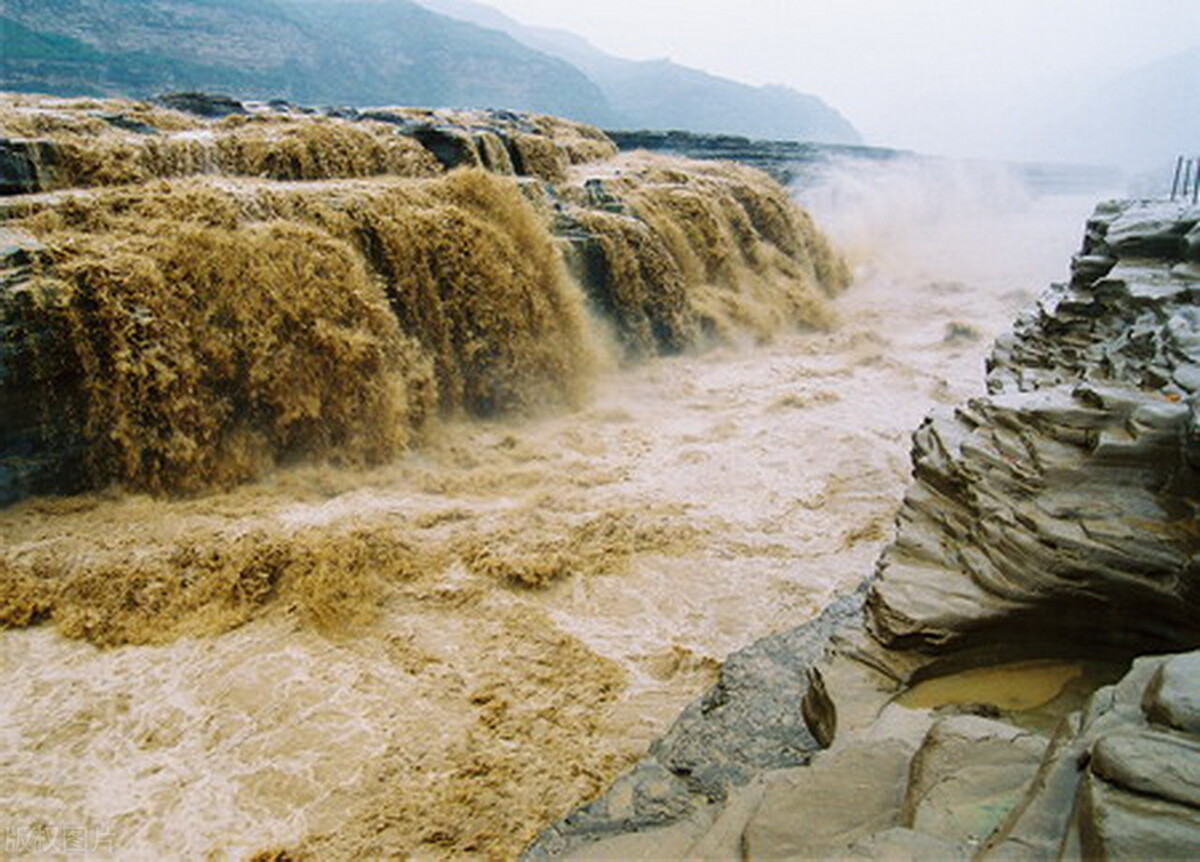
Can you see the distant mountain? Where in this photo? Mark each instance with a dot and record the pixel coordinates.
(659, 94)
(358, 52)
(1143, 118)
(373, 52)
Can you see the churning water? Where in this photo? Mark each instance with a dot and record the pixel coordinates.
(557, 588)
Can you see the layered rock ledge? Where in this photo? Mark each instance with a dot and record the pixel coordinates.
(194, 290)
(803, 163)
(955, 705)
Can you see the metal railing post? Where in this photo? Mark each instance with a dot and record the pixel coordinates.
(1186, 181)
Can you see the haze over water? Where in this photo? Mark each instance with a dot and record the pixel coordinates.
(1098, 81)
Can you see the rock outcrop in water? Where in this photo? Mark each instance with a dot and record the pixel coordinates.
(805, 163)
(949, 708)
(787, 161)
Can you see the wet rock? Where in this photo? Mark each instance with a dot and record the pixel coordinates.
(1112, 785)
(493, 152)
(600, 197)
(453, 148)
(202, 104)
(1054, 517)
(801, 163)
(750, 722)
(128, 124)
(1191, 241)
(26, 166)
(37, 454)
(607, 268)
(134, 150)
(785, 161)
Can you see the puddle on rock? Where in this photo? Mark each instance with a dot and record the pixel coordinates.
(1036, 694)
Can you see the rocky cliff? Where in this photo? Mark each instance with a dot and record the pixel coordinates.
(367, 52)
(314, 51)
(954, 706)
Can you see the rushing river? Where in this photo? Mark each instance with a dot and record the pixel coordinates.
(576, 577)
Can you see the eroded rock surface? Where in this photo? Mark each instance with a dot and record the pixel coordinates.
(1052, 520)
(1065, 502)
(1115, 784)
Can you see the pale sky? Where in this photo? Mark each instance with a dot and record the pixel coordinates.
(948, 76)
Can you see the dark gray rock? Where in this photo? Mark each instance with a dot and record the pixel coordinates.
(785, 161)
(128, 124)
(26, 166)
(452, 147)
(749, 722)
(625, 255)
(803, 163)
(202, 104)
(38, 450)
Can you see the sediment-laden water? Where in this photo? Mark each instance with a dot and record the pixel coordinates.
(464, 643)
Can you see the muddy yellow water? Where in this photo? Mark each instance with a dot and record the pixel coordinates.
(441, 655)
(1020, 686)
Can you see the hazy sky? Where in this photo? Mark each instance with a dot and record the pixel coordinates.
(950, 76)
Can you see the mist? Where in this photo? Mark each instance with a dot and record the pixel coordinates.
(1094, 82)
(464, 640)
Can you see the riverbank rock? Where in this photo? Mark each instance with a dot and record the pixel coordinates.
(955, 706)
(1116, 783)
(46, 145)
(1064, 502)
(803, 163)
